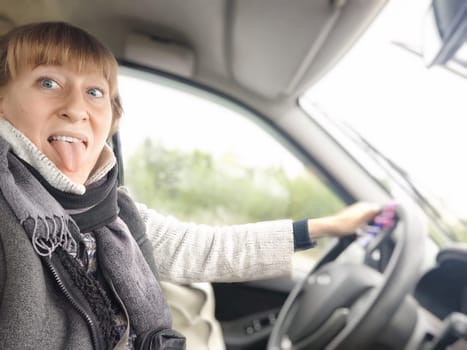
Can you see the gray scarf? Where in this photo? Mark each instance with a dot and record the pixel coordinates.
(49, 226)
(36, 210)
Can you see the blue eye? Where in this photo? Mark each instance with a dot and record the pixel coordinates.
(49, 84)
(94, 92)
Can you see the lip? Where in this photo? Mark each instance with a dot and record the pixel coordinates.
(83, 138)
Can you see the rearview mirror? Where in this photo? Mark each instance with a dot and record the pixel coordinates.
(445, 35)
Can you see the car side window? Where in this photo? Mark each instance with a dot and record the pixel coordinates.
(196, 158)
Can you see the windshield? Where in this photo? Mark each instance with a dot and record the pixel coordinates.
(414, 115)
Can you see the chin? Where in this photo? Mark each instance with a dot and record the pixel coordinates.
(75, 177)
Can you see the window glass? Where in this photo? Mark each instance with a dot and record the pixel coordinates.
(200, 159)
(414, 114)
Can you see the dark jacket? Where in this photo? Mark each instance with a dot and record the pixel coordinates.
(37, 308)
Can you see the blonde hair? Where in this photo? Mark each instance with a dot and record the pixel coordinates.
(58, 43)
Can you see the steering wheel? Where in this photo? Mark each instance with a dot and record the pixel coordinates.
(347, 305)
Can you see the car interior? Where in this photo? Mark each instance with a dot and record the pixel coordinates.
(407, 291)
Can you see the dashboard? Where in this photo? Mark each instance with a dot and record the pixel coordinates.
(442, 294)
(443, 289)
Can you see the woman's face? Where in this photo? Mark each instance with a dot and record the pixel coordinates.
(66, 114)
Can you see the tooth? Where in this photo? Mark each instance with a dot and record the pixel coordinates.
(65, 139)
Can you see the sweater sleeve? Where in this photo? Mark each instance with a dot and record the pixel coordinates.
(188, 252)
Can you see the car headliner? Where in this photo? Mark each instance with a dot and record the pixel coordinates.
(264, 53)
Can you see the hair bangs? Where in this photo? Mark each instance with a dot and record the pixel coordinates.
(61, 45)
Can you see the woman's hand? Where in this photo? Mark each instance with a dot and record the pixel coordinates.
(345, 222)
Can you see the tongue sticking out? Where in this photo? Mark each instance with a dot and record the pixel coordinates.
(71, 153)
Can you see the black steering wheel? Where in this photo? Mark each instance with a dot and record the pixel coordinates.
(347, 305)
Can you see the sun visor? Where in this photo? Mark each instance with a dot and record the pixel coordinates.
(159, 54)
(281, 49)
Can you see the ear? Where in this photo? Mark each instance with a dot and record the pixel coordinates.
(2, 113)
(1, 106)
(2, 100)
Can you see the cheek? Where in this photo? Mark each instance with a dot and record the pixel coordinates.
(102, 127)
(25, 114)
(109, 124)
(114, 126)
(26, 117)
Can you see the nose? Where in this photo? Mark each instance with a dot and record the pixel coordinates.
(74, 106)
